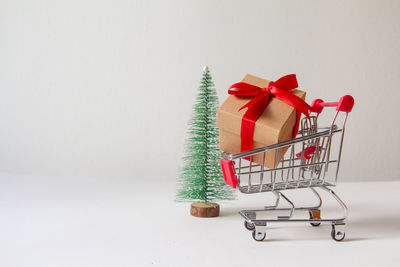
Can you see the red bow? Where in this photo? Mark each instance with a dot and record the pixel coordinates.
(279, 89)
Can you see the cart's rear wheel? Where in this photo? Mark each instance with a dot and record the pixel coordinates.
(337, 235)
(315, 214)
(259, 236)
(249, 226)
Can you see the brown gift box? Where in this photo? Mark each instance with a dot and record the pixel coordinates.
(274, 125)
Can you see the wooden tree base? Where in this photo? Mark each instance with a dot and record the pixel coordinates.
(204, 209)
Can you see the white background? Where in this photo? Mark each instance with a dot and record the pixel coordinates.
(105, 88)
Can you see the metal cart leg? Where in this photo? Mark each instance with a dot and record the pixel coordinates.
(311, 208)
(338, 225)
(292, 208)
(277, 198)
(344, 207)
(319, 199)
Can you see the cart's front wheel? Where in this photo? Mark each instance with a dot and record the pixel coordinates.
(259, 236)
(337, 235)
(315, 214)
(249, 226)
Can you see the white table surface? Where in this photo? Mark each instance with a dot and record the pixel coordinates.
(47, 221)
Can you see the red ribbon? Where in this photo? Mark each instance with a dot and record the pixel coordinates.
(279, 89)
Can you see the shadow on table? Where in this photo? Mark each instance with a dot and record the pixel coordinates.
(375, 227)
(359, 229)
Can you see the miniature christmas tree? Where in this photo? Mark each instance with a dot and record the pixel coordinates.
(201, 178)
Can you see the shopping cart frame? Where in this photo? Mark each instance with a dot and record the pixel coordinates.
(312, 171)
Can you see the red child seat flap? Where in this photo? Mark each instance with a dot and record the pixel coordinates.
(308, 152)
(227, 171)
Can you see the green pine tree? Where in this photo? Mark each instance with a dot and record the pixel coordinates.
(201, 177)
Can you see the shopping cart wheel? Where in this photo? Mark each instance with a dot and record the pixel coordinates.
(315, 214)
(337, 234)
(249, 226)
(259, 236)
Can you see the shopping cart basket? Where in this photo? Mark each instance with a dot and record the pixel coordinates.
(305, 165)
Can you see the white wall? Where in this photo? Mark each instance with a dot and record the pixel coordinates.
(105, 88)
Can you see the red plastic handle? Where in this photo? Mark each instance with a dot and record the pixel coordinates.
(345, 104)
(227, 171)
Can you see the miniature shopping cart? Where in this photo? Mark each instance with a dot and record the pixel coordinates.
(312, 160)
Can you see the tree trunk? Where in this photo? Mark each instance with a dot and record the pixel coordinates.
(204, 209)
